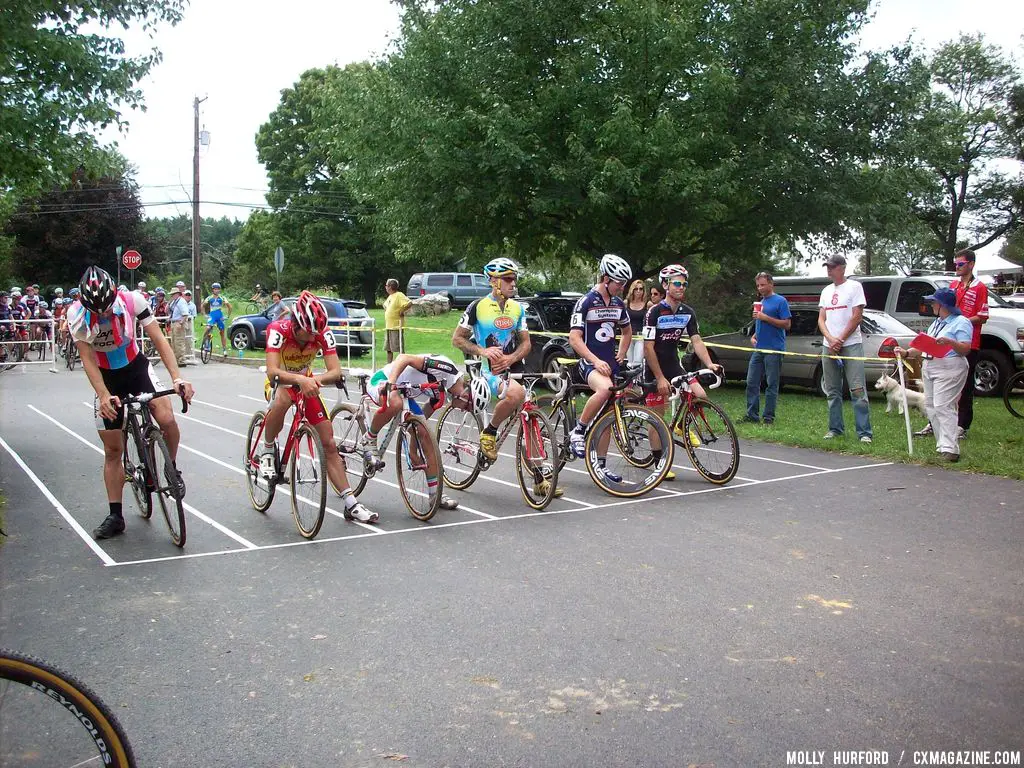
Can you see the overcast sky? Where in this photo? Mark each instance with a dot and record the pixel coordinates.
(240, 54)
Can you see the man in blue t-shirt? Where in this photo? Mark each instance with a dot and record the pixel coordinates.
(770, 326)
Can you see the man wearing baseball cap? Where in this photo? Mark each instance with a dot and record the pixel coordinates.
(178, 309)
(840, 311)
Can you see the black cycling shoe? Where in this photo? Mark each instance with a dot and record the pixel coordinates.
(179, 482)
(112, 526)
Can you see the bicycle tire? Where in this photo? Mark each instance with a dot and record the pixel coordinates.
(166, 486)
(308, 525)
(561, 425)
(458, 440)
(48, 687)
(348, 428)
(1013, 394)
(700, 433)
(72, 356)
(407, 472)
(206, 348)
(135, 470)
(252, 469)
(537, 424)
(644, 474)
(7, 363)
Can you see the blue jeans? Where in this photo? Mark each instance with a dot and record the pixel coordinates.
(770, 367)
(833, 372)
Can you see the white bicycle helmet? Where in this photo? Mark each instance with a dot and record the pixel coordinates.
(616, 267)
(481, 394)
(501, 267)
(672, 270)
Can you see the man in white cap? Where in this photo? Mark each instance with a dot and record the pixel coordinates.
(180, 319)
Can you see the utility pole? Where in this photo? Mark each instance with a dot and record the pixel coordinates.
(197, 264)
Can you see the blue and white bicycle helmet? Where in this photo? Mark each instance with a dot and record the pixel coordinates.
(501, 267)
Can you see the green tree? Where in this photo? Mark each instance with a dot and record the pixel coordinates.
(59, 233)
(170, 258)
(61, 78)
(970, 138)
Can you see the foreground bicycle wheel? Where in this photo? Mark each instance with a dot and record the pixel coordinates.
(309, 481)
(419, 474)
(636, 459)
(347, 425)
(165, 486)
(458, 438)
(537, 460)
(1013, 395)
(261, 490)
(136, 473)
(710, 441)
(47, 717)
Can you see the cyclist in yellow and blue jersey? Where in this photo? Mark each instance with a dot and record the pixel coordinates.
(494, 329)
(216, 305)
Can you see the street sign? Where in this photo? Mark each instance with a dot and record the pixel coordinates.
(132, 259)
(279, 259)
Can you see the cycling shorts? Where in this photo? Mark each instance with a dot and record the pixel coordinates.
(216, 318)
(586, 369)
(135, 378)
(316, 409)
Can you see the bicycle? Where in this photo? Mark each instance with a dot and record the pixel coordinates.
(704, 429)
(462, 461)
(148, 466)
(50, 717)
(307, 469)
(1013, 394)
(206, 346)
(416, 452)
(71, 356)
(644, 446)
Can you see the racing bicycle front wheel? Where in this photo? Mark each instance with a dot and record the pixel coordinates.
(710, 441)
(206, 347)
(1013, 395)
(165, 486)
(418, 465)
(458, 438)
(309, 481)
(348, 429)
(261, 490)
(536, 460)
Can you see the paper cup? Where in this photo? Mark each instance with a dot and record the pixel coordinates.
(757, 307)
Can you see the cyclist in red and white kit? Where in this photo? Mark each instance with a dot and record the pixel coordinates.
(102, 323)
(292, 345)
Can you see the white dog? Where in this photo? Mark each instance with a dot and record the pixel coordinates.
(894, 395)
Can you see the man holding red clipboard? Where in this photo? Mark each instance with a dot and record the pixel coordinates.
(944, 348)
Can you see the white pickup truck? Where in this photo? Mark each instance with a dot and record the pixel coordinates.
(1002, 337)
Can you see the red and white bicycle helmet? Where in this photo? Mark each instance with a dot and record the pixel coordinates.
(673, 270)
(309, 313)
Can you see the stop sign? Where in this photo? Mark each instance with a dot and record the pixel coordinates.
(132, 259)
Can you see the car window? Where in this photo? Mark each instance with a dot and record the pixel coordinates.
(416, 279)
(335, 309)
(481, 282)
(465, 280)
(441, 280)
(558, 314)
(876, 293)
(804, 323)
(533, 321)
(887, 324)
(911, 295)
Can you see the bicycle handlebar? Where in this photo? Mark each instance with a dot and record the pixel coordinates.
(145, 397)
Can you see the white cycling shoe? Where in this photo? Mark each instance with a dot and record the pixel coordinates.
(360, 513)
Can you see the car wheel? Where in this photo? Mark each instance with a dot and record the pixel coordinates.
(991, 373)
(241, 338)
(818, 387)
(551, 365)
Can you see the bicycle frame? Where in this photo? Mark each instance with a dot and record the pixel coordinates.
(297, 421)
(367, 408)
(567, 397)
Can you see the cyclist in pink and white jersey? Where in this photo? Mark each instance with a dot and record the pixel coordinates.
(102, 322)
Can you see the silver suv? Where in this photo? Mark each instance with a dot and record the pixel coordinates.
(461, 288)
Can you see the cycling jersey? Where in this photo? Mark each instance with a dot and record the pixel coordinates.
(599, 321)
(296, 358)
(666, 328)
(216, 304)
(111, 337)
(493, 326)
(436, 368)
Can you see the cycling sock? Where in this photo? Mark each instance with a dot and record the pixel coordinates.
(371, 436)
(491, 430)
(601, 460)
(432, 482)
(581, 427)
(115, 508)
(656, 454)
(349, 498)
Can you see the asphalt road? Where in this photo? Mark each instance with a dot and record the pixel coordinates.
(819, 602)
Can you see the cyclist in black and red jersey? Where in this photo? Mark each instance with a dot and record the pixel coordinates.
(292, 344)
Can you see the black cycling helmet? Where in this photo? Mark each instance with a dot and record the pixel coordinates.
(97, 290)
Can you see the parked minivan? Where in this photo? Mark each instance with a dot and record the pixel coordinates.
(461, 288)
(901, 296)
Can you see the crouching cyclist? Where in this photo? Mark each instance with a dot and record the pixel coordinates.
(103, 324)
(292, 345)
(434, 373)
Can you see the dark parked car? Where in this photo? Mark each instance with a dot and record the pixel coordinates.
(250, 331)
(547, 313)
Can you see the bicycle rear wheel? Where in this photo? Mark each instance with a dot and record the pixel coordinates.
(261, 490)
(710, 441)
(348, 428)
(309, 481)
(536, 460)
(417, 460)
(166, 486)
(47, 717)
(458, 438)
(136, 473)
(1013, 394)
(636, 460)
(561, 425)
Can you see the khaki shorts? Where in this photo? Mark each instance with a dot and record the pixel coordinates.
(393, 342)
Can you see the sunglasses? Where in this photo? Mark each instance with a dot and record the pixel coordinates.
(679, 283)
(959, 264)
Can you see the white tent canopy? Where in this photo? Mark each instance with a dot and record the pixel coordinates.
(994, 264)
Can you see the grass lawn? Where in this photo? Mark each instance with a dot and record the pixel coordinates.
(995, 445)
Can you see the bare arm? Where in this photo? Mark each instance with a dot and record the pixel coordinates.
(462, 340)
(702, 352)
(163, 349)
(402, 362)
(274, 369)
(579, 347)
(522, 349)
(334, 373)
